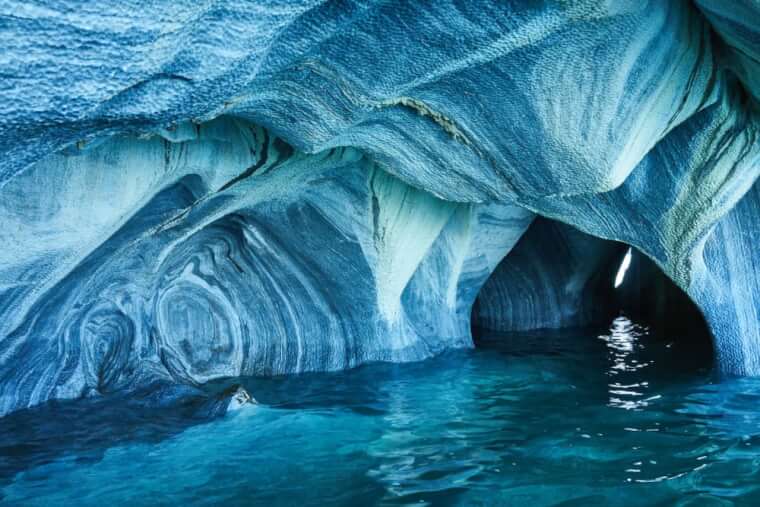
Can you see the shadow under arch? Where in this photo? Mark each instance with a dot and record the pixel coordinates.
(558, 277)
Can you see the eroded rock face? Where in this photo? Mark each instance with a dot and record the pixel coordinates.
(726, 283)
(192, 192)
(669, 207)
(278, 263)
(738, 27)
(454, 98)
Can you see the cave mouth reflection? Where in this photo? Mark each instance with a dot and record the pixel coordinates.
(616, 294)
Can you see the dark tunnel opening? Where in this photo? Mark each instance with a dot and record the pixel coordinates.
(558, 278)
(643, 293)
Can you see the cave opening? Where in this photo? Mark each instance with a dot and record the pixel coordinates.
(558, 279)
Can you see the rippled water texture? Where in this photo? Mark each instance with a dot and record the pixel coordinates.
(574, 418)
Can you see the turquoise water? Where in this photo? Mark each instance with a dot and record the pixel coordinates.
(584, 417)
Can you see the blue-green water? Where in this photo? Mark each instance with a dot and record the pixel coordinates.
(573, 418)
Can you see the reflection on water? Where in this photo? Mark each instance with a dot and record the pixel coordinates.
(627, 389)
(539, 419)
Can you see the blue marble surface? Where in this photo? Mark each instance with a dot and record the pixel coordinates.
(196, 190)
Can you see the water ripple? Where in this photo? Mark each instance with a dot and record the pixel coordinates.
(494, 426)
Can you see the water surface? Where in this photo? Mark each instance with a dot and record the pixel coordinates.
(582, 417)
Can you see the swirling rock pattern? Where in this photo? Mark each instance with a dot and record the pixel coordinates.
(305, 263)
(191, 191)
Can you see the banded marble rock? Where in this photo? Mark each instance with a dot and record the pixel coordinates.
(198, 190)
(232, 254)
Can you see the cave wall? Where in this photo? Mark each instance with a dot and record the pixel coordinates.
(727, 284)
(229, 253)
(737, 26)
(426, 89)
(668, 209)
(192, 191)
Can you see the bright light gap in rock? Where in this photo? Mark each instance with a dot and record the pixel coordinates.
(623, 268)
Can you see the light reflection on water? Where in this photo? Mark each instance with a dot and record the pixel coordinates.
(627, 390)
(537, 419)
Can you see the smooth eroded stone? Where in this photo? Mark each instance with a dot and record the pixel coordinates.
(295, 263)
(471, 102)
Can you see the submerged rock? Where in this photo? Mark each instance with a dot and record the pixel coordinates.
(190, 193)
(239, 399)
(229, 401)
